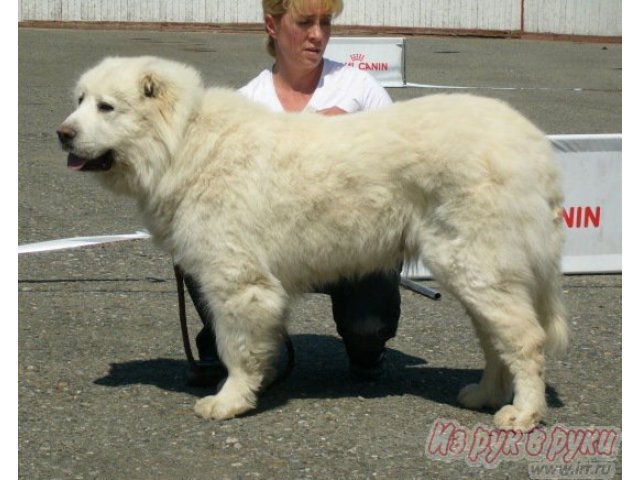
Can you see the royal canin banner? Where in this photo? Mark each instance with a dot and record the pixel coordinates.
(592, 213)
(382, 57)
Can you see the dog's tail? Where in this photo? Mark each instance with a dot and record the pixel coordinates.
(552, 316)
(547, 269)
(558, 334)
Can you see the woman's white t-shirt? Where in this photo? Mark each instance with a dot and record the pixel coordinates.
(340, 86)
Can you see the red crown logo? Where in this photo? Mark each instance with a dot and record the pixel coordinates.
(357, 57)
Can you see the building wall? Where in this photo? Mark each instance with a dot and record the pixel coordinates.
(436, 14)
(573, 17)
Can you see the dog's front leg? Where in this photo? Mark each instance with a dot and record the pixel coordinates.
(249, 321)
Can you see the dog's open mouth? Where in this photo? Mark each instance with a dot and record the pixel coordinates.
(101, 163)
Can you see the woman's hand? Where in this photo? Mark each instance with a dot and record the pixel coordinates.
(332, 111)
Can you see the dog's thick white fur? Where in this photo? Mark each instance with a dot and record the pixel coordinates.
(258, 207)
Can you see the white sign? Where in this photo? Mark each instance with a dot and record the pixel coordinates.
(383, 57)
(592, 214)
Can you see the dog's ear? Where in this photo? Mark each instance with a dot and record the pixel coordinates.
(150, 86)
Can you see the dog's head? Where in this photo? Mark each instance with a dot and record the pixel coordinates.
(130, 116)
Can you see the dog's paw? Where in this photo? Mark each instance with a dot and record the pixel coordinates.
(217, 407)
(510, 417)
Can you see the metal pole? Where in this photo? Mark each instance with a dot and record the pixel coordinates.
(421, 289)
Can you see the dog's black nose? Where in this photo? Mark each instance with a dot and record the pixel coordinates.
(65, 134)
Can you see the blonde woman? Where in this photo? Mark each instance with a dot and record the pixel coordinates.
(367, 310)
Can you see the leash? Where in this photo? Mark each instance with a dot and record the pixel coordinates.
(198, 371)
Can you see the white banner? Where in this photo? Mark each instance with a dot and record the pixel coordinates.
(383, 57)
(592, 214)
(592, 169)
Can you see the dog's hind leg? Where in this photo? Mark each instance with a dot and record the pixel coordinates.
(248, 327)
(495, 388)
(515, 341)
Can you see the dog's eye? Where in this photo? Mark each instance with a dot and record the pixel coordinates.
(80, 99)
(105, 107)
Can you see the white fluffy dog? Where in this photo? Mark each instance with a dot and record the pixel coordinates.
(258, 207)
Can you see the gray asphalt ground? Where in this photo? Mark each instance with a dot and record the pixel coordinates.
(102, 390)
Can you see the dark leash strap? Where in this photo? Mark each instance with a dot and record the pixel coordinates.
(196, 369)
(193, 365)
(291, 360)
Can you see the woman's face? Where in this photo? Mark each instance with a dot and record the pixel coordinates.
(300, 39)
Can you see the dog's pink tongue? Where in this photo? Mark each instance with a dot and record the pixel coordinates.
(74, 162)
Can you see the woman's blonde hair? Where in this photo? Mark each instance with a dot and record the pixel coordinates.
(277, 8)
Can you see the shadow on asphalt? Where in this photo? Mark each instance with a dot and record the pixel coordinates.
(321, 371)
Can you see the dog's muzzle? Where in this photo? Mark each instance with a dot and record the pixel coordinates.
(101, 163)
(66, 136)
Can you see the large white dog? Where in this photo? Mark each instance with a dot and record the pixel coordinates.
(258, 207)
